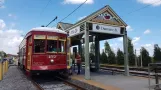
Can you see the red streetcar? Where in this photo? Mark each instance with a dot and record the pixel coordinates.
(43, 49)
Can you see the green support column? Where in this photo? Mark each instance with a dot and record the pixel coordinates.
(97, 53)
(87, 67)
(80, 48)
(80, 51)
(126, 60)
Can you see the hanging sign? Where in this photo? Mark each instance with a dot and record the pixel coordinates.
(107, 29)
(74, 31)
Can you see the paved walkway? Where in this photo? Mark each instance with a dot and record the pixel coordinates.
(118, 80)
(15, 80)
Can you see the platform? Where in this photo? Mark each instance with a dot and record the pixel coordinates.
(15, 80)
(104, 79)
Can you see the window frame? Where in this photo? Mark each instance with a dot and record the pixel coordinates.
(64, 40)
(56, 39)
(43, 38)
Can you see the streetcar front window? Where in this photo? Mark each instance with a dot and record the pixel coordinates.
(39, 46)
(51, 45)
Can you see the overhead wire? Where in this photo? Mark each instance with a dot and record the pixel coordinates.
(45, 7)
(86, 1)
(143, 7)
(72, 11)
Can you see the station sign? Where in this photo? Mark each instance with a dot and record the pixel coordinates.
(74, 31)
(39, 37)
(52, 37)
(106, 29)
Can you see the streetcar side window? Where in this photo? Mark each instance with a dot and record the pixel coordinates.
(61, 44)
(39, 46)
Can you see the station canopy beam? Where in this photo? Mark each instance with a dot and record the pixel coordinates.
(103, 24)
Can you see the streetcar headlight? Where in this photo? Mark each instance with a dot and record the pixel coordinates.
(52, 61)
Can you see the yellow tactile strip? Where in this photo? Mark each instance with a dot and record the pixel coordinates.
(94, 83)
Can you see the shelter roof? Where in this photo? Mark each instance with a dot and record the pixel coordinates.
(107, 8)
(64, 26)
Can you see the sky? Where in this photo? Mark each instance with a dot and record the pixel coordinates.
(17, 17)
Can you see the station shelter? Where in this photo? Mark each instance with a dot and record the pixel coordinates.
(101, 25)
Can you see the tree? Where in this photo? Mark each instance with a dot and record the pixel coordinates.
(107, 47)
(120, 57)
(111, 57)
(92, 48)
(131, 52)
(103, 58)
(157, 53)
(145, 57)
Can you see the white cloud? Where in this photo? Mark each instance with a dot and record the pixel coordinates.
(10, 40)
(116, 46)
(102, 49)
(150, 2)
(135, 39)
(129, 28)
(147, 31)
(1, 4)
(1, 1)
(78, 1)
(80, 18)
(120, 39)
(150, 48)
(12, 15)
(13, 25)
(2, 24)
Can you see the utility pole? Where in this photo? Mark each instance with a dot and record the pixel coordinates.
(126, 59)
(135, 59)
(141, 58)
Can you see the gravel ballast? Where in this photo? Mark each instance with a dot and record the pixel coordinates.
(14, 79)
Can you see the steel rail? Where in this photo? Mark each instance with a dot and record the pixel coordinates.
(71, 84)
(36, 85)
(30, 79)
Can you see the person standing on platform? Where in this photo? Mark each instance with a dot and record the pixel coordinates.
(78, 61)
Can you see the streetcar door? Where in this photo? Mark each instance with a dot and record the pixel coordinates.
(69, 60)
(29, 53)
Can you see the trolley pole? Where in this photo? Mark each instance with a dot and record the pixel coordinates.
(87, 67)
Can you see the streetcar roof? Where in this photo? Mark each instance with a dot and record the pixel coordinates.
(48, 29)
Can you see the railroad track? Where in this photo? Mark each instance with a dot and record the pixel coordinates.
(143, 72)
(51, 82)
(132, 72)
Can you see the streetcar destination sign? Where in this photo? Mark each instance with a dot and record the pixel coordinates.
(107, 29)
(74, 31)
